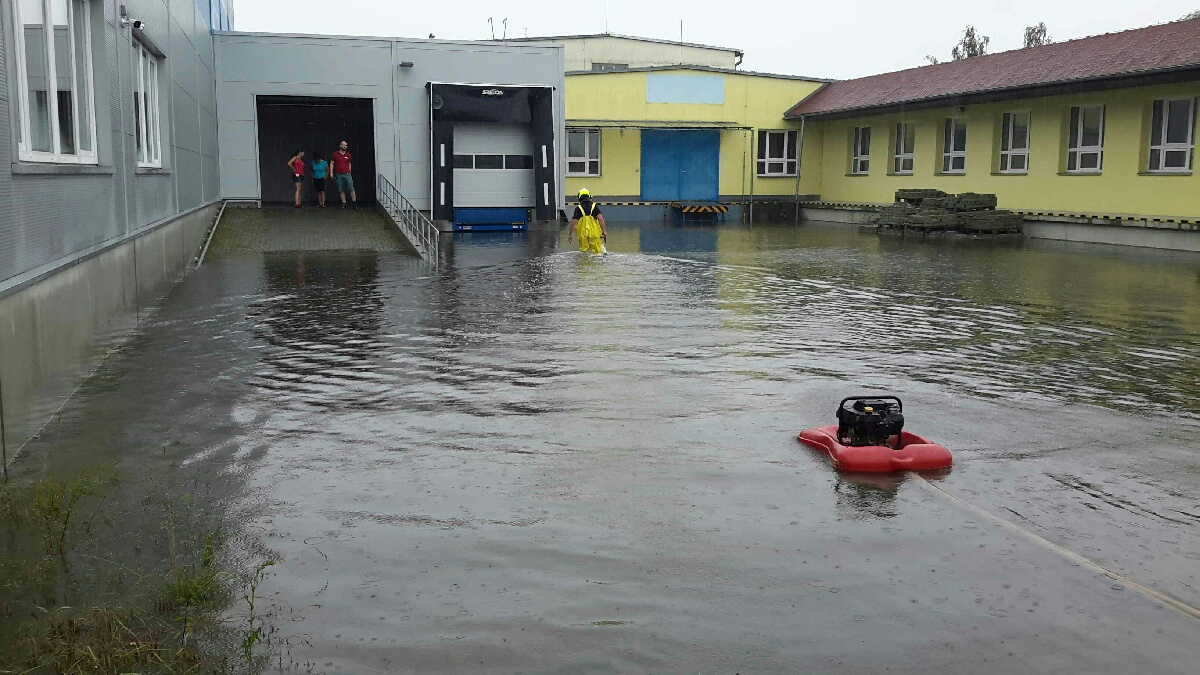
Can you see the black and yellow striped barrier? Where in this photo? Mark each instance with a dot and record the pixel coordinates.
(701, 208)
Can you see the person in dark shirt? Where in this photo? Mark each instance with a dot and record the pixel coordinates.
(588, 223)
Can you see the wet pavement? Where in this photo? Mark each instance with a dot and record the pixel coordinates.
(533, 461)
(245, 231)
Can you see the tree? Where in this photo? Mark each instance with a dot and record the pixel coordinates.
(1193, 15)
(971, 45)
(1036, 36)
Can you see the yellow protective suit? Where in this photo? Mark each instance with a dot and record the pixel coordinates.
(588, 229)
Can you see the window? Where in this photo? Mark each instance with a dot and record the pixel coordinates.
(54, 81)
(777, 153)
(1172, 140)
(518, 161)
(954, 146)
(147, 129)
(489, 161)
(1014, 143)
(860, 159)
(904, 157)
(1085, 147)
(464, 161)
(583, 152)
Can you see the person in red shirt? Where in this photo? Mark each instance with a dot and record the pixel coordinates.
(296, 164)
(341, 174)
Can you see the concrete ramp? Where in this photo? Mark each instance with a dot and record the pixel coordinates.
(251, 231)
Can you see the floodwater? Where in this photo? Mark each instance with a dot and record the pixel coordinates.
(533, 461)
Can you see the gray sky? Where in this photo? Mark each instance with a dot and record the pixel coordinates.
(837, 39)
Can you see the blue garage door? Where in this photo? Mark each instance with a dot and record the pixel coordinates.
(680, 165)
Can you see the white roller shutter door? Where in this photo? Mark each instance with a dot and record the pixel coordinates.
(493, 166)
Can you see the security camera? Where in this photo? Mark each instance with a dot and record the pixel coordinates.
(139, 24)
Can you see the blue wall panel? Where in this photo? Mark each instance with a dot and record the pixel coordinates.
(662, 88)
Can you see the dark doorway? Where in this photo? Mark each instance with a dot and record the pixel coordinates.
(314, 124)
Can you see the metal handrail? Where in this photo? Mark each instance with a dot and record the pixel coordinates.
(420, 230)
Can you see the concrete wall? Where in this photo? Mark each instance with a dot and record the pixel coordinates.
(1123, 188)
(54, 331)
(253, 64)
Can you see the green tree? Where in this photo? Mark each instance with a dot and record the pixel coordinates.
(971, 45)
(1192, 15)
(1036, 36)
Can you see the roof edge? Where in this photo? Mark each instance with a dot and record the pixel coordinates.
(620, 36)
(1126, 80)
(707, 69)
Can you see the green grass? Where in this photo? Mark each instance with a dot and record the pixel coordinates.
(92, 583)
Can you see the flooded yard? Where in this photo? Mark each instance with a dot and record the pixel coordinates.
(529, 460)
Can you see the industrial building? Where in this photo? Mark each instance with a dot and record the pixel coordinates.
(113, 169)
(1091, 139)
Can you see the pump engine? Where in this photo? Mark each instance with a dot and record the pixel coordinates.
(870, 420)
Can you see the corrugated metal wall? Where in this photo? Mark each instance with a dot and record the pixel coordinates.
(49, 220)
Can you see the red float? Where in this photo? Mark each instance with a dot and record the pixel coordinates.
(869, 437)
(915, 453)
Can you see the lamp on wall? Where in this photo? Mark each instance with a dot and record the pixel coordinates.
(406, 64)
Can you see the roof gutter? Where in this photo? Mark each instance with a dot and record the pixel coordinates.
(1176, 75)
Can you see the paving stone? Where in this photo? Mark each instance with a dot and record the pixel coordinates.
(254, 231)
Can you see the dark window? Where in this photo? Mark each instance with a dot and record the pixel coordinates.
(489, 161)
(518, 161)
(464, 161)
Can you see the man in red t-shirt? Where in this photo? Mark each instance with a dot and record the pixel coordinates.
(341, 174)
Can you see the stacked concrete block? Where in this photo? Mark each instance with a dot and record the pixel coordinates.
(936, 211)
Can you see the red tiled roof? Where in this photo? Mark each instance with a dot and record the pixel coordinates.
(1168, 46)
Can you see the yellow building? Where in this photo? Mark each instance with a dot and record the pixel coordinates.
(683, 134)
(1097, 131)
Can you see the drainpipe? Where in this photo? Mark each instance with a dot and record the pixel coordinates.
(799, 162)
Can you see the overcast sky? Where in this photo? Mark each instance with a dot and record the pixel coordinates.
(836, 39)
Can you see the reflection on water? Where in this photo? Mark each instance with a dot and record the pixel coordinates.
(866, 496)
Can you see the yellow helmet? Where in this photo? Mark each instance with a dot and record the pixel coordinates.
(584, 194)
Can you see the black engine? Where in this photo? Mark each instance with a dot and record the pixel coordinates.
(870, 420)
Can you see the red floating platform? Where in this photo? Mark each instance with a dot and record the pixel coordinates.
(914, 454)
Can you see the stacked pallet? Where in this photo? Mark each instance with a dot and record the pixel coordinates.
(937, 211)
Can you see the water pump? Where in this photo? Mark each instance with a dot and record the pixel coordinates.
(870, 420)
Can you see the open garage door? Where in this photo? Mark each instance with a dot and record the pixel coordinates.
(314, 124)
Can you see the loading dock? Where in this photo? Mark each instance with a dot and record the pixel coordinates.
(313, 124)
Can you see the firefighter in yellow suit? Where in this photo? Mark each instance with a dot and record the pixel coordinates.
(588, 223)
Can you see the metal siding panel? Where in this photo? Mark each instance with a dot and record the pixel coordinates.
(184, 11)
(154, 197)
(190, 189)
(207, 91)
(187, 122)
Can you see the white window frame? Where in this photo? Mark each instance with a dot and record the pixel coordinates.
(785, 165)
(145, 89)
(1006, 136)
(949, 154)
(1075, 147)
(586, 157)
(900, 154)
(1164, 147)
(860, 162)
(24, 150)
